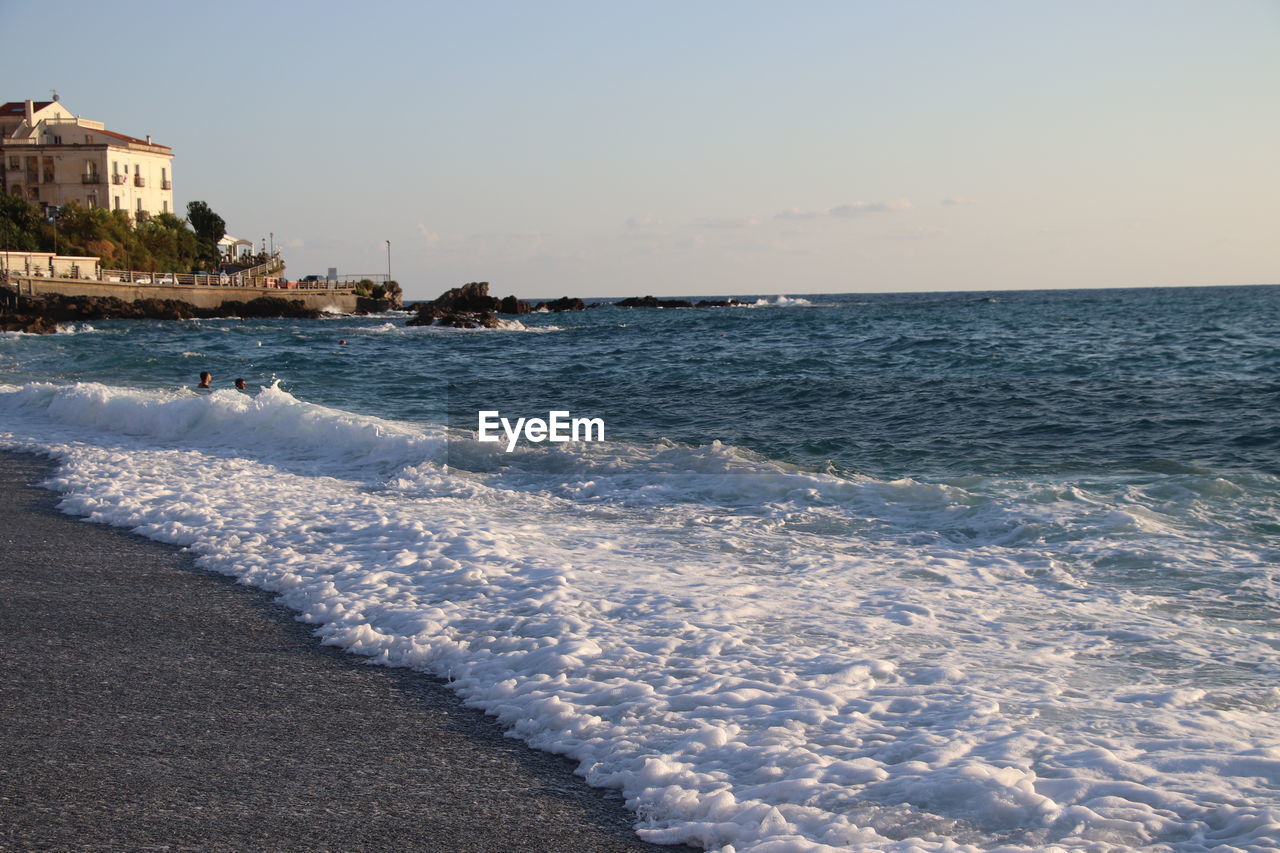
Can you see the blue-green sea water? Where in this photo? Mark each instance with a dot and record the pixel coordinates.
(935, 385)
(949, 571)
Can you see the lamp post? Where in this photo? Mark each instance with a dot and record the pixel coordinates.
(52, 213)
(388, 260)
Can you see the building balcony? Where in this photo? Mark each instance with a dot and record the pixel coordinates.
(15, 167)
(91, 179)
(166, 185)
(139, 181)
(117, 179)
(48, 178)
(33, 177)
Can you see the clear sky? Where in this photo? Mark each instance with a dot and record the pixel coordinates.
(604, 148)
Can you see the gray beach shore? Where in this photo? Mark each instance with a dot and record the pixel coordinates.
(149, 705)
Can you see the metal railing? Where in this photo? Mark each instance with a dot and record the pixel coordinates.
(94, 178)
(266, 268)
(236, 280)
(139, 181)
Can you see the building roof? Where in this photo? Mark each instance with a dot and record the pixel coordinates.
(17, 108)
(134, 139)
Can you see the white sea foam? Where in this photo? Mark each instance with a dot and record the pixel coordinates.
(760, 657)
(504, 325)
(75, 328)
(783, 302)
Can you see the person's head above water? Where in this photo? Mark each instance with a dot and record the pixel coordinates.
(240, 383)
(205, 379)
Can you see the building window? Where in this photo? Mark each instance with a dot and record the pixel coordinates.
(164, 206)
(139, 205)
(57, 140)
(35, 193)
(88, 139)
(117, 202)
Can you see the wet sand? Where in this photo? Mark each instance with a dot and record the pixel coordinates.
(150, 705)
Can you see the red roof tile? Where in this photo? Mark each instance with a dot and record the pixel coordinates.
(126, 138)
(19, 107)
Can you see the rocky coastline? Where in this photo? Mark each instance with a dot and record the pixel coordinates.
(40, 315)
(471, 307)
(467, 307)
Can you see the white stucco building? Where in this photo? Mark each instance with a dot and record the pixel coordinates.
(52, 157)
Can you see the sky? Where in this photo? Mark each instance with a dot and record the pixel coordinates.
(700, 148)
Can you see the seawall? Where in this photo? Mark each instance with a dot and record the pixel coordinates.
(201, 296)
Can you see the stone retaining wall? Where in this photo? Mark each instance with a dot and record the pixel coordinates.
(199, 296)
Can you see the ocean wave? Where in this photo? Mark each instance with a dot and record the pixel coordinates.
(759, 657)
(272, 425)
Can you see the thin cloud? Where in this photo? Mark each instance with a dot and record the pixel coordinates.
(430, 238)
(740, 222)
(913, 234)
(862, 208)
(955, 201)
(643, 222)
(848, 211)
(797, 213)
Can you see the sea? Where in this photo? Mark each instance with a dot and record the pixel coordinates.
(859, 572)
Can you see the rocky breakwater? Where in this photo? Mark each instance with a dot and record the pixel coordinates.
(41, 314)
(654, 302)
(471, 307)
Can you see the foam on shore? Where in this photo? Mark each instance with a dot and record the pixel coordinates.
(760, 657)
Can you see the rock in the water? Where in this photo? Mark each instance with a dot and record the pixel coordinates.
(653, 302)
(471, 298)
(467, 307)
(564, 303)
(267, 306)
(511, 305)
(366, 305)
(17, 320)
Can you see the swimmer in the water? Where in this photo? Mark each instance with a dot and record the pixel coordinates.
(240, 384)
(206, 379)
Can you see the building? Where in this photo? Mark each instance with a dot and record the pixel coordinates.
(52, 157)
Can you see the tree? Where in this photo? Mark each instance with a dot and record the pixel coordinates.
(209, 228)
(19, 224)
